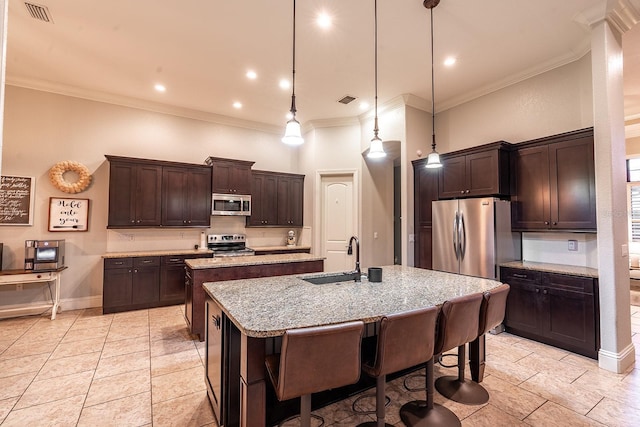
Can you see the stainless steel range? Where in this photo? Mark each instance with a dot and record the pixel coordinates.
(228, 245)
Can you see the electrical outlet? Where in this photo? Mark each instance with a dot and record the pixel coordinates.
(19, 287)
(412, 238)
(573, 245)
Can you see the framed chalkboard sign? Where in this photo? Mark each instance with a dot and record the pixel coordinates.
(17, 199)
(68, 214)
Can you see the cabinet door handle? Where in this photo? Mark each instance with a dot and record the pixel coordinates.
(216, 321)
(174, 259)
(147, 261)
(118, 263)
(519, 276)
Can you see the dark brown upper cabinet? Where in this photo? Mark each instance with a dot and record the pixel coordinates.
(230, 176)
(553, 183)
(134, 194)
(478, 171)
(276, 199)
(154, 193)
(186, 196)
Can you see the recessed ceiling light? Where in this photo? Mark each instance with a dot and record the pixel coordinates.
(237, 105)
(324, 20)
(449, 61)
(285, 84)
(364, 105)
(251, 75)
(160, 88)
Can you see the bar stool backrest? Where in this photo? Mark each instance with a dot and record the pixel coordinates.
(494, 305)
(458, 322)
(319, 358)
(405, 339)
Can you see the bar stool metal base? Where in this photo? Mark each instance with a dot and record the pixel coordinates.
(418, 414)
(465, 391)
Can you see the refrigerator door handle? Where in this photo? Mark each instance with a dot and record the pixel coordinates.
(462, 236)
(455, 235)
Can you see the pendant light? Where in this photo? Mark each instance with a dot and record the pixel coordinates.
(433, 161)
(292, 133)
(376, 150)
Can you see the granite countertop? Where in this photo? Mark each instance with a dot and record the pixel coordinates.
(236, 261)
(268, 306)
(553, 268)
(279, 248)
(157, 253)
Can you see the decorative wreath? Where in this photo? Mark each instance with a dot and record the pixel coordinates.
(56, 176)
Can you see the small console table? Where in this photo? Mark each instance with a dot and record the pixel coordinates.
(15, 277)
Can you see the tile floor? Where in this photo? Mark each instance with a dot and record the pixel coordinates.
(142, 368)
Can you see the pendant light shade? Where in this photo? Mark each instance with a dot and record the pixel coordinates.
(433, 161)
(292, 133)
(376, 150)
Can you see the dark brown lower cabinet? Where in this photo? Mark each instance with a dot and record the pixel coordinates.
(130, 283)
(423, 248)
(134, 283)
(556, 309)
(172, 280)
(195, 293)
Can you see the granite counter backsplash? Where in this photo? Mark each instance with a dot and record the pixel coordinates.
(553, 268)
(237, 261)
(156, 253)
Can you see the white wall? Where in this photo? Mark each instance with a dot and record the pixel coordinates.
(42, 128)
(554, 248)
(557, 101)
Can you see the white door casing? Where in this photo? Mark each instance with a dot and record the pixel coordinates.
(338, 219)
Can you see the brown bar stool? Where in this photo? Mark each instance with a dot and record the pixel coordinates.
(313, 360)
(491, 314)
(457, 324)
(405, 339)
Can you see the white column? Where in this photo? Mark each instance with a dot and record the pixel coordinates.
(616, 349)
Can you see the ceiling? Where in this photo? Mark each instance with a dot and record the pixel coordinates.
(201, 49)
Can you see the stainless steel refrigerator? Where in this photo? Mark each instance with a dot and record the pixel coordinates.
(473, 236)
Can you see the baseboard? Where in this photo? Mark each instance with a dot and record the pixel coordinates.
(40, 307)
(617, 362)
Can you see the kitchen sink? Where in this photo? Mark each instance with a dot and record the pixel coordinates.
(331, 278)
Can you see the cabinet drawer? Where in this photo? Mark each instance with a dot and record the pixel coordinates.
(111, 263)
(152, 261)
(569, 283)
(173, 259)
(523, 276)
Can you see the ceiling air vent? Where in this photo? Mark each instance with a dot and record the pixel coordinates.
(39, 12)
(346, 99)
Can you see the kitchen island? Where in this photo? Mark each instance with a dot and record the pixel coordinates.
(199, 271)
(246, 317)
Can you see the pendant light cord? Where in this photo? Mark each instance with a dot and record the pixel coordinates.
(293, 79)
(375, 20)
(433, 89)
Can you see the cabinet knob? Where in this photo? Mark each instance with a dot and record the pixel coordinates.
(135, 271)
(129, 271)
(467, 191)
(537, 291)
(133, 221)
(461, 191)
(555, 223)
(546, 223)
(545, 292)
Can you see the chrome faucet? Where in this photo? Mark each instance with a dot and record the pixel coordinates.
(350, 252)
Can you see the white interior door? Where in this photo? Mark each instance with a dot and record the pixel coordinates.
(338, 224)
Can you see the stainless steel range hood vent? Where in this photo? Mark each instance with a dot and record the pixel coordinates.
(39, 12)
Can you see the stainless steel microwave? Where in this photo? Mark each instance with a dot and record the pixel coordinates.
(231, 204)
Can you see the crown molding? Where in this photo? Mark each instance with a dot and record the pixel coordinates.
(156, 107)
